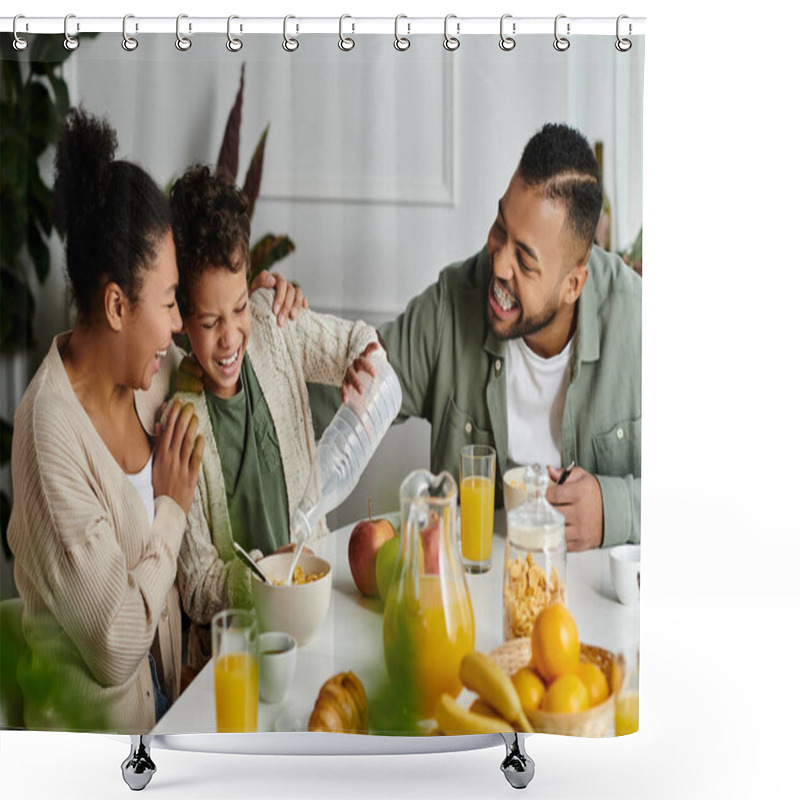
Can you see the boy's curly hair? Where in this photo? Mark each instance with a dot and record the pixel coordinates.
(210, 227)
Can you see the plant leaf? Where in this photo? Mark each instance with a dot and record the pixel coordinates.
(228, 159)
(16, 312)
(40, 253)
(252, 183)
(267, 251)
(13, 221)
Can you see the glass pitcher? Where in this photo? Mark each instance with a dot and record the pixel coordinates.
(428, 625)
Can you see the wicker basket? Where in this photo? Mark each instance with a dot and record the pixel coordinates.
(597, 721)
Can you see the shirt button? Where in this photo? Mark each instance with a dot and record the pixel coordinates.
(498, 365)
(620, 433)
(468, 427)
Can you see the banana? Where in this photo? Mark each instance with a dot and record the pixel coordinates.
(481, 674)
(480, 706)
(453, 720)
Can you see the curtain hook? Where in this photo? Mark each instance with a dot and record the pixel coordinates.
(507, 42)
(623, 45)
(129, 43)
(451, 42)
(181, 41)
(400, 42)
(19, 42)
(70, 42)
(289, 44)
(233, 44)
(561, 43)
(345, 42)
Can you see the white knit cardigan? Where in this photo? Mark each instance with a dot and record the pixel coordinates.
(315, 347)
(96, 580)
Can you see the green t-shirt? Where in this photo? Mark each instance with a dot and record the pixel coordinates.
(251, 465)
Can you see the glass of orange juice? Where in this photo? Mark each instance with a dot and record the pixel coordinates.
(233, 634)
(477, 506)
(626, 709)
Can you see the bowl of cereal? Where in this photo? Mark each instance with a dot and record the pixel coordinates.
(514, 487)
(297, 609)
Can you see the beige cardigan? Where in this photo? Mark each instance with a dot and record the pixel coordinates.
(97, 582)
(314, 347)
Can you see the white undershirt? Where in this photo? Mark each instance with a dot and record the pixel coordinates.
(536, 389)
(143, 483)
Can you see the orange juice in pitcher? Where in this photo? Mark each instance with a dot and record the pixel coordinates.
(428, 624)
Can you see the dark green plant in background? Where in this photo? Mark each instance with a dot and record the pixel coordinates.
(269, 248)
(33, 101)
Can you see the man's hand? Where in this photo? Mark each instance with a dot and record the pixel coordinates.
(360, 364)
(289, 298)
(580, 500)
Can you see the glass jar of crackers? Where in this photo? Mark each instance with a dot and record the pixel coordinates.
(535, 567)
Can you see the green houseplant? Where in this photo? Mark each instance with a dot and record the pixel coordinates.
(270, 248)
(33, 101)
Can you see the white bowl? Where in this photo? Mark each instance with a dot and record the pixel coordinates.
(624, 562)
(298, 610)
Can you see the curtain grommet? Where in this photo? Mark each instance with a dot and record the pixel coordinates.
(401, 43)
(289, 43)
(561, 43)
(451, 43)
(507, 43)
(623, 44)
(20, 44)
(183, 43)
(129, 43)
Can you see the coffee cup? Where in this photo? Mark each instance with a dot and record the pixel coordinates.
(277, 660)
(624, 562)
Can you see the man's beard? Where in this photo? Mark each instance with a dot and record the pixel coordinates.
(522, 326)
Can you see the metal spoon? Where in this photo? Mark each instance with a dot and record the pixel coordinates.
(245, 556)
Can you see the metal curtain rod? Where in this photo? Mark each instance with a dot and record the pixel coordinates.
(407, 26)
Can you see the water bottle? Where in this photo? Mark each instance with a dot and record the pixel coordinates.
(346, 446)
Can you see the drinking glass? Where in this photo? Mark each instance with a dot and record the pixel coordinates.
(233, 634)
(477, 506)
(626, 709)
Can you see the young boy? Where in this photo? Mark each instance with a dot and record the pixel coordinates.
(254, 410)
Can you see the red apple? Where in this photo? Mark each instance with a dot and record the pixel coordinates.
(366, 539)
(431, 536)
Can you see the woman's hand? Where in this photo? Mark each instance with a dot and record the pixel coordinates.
(289, 298)
(360, 364)
(178, 454)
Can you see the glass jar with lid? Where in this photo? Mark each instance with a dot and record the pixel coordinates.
(535, 567)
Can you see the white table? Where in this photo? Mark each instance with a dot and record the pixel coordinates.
(351, 637)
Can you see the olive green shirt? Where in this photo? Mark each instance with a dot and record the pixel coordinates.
(251, 465)
(452, 371)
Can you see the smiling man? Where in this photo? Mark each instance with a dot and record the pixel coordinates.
(533, 346)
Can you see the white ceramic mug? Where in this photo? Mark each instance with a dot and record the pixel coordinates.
(624, 562)
(277, 660)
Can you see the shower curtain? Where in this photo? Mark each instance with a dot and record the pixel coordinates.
(369, 168)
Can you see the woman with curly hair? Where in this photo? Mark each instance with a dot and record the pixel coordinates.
(101, 493)
(254, 409)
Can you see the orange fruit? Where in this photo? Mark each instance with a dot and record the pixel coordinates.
(555, 647)
(529, 688)
(566, 695)
(595, 682)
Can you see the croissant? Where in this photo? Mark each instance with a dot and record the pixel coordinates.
(341, 706)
